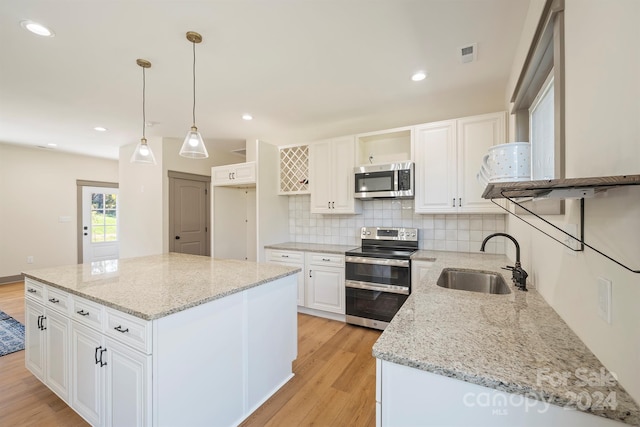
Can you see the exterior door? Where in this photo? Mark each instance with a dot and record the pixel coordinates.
(189, 216)
(100, 231)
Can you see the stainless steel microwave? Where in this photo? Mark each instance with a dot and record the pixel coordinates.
(394, 180)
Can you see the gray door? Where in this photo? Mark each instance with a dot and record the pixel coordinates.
(189, 216)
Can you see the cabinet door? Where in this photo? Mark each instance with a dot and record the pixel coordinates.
(320, 176)
(435, 167)
(127, 386)
(344, 159)
(244, 173)
(220, 175)
(325, 288)
(57, 372)
(475, 136)
(87, 375)
(34, 339)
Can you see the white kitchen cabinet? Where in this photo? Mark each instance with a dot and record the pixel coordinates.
(385, 146)
(292, 259)
(448, 155)
(407, 397)
(331, 178)
(236, 174)
(325, 282)
(87, 395)
(47, 345)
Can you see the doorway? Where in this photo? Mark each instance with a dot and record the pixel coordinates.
(98, 225)
(189, 213)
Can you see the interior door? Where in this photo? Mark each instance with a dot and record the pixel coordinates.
(100, 231)
(189, 216)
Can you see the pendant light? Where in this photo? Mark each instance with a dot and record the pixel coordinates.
(193, 146)
(143, 153)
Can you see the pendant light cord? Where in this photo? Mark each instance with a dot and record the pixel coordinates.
(194, 83)
(144, 120)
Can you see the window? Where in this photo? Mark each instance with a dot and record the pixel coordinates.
(104, 217)
(541, 134)
(538, 99)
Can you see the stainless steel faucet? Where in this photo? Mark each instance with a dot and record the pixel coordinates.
(518, 275)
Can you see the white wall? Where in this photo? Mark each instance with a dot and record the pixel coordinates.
(37, 187)
(602, 138)
(144, 193)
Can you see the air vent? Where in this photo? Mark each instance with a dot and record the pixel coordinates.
(468, 53)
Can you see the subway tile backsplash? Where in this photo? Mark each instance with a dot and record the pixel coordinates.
(458, 233)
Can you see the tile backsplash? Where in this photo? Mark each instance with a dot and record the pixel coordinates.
(459, 233)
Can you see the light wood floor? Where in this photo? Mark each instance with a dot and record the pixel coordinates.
(334, 382)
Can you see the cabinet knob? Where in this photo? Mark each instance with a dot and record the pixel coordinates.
(177, 237)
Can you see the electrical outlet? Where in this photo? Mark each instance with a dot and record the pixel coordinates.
(604, 299)
(30, 259)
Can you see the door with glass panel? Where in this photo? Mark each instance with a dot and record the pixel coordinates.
(100, 232)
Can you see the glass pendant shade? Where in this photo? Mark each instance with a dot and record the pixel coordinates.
(193, 146)
(143, 153)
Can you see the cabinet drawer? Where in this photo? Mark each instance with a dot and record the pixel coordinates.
(128, 329)
(58, 299)
(87, 312)
(286, 256)
(34, 290)
(327, 259)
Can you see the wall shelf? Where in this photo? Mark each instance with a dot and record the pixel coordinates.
(569, 188)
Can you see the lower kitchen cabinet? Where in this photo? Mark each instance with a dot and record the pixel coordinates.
(47, 347)
(109, 380)
(325, 282)
(291, 259)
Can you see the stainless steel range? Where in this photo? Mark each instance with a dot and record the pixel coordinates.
(378, 275)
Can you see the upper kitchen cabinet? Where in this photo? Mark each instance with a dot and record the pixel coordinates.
(331, 178)
(237, 174)
(388, 146)
(448, 156)
(294, 170)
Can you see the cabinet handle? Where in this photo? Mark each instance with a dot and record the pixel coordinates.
(96, 354)
(31, 291)
(119, 329)
(328, 205)
(326, 259)
(310, 273)
(453, 203)
(54, 300)
(83, 313)
(101, 362)
(229, 175)
(39, 322)
(333, 205)
(284, 256)
(42, 327)
(460, 202)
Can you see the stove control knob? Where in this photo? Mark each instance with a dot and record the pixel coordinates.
(413, 234)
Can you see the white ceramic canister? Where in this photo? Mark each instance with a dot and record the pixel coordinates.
(509, 162)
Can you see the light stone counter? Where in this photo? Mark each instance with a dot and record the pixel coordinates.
(514, 343)
(311, 247)
(155, 286)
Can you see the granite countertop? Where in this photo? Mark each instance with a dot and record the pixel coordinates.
(311, 247)
(155, 286)
(515, 343)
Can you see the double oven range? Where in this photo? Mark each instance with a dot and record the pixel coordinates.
(378, 275)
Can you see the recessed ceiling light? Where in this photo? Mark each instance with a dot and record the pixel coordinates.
(247, 117)
(100, 129)
(51, 144)
(420, 75)
(36, 28)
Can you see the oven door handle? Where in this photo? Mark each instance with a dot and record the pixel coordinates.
(404, 290)
(377, 261)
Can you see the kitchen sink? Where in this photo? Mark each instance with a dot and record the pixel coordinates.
(485, 282)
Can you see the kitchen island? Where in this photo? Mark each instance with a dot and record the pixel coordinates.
(162, 340)
(459, 358)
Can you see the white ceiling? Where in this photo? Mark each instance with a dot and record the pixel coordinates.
(304, 69)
